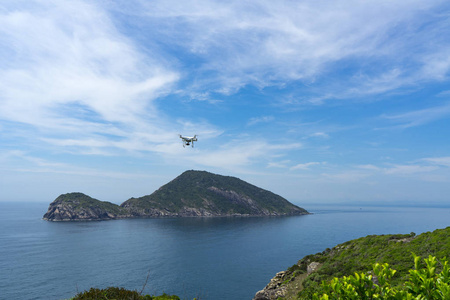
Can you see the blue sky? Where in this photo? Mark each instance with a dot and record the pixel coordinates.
(318, 101)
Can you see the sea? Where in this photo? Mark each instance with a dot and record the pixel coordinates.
(208, 258)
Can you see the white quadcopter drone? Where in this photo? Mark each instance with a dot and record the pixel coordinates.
(188, 140)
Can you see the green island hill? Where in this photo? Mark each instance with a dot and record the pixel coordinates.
(192, 194)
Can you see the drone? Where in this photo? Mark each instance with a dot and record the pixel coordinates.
(188, 140)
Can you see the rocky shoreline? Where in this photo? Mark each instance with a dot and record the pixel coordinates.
(277, 287)
(63, 210)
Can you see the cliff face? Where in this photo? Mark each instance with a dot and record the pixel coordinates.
(284, 285)
(80, 207)
(192, 194)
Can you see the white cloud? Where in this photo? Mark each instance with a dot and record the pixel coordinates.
(68, 71)
(371, 174)
(444, 94)
(279, 164)
(239, 154)
(419, 117)
(439, 161)
(408, 169)
(320, 134)
(265, 42)
(437, 65)
(368, 167)
(346, 176)
(26, 163)
(263, 119)
(305, 166)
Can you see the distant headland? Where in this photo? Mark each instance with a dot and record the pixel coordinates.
(192, 194)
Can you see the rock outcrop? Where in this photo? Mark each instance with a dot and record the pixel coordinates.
(274, 289)
(284, 282)
(80, 207)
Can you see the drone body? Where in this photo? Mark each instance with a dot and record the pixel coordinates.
(188, 140)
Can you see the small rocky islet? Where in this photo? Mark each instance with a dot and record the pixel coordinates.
(192, 194)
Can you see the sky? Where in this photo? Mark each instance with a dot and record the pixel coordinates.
(319, 101)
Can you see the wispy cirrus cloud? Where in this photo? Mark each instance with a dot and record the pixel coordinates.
(439, 161)
(264, 43)
(429, 165)
(423, 170)
(305, 166)
(27, 163)
(408, 169)
(74, 74)
(320, 134)
(263, 119)
(419, 117)
(345, 176)
(241, 153)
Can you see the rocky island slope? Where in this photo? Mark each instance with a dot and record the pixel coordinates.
(192, 194)
(80, 207)
(199, 193)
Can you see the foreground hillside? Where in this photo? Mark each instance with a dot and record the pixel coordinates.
(303, 279)
(358, 269)
(192, 194)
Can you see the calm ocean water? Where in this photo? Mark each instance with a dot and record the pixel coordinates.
(214, 258)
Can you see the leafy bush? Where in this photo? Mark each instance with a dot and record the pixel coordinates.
(423, 283)
(119, 294)
(359, 255)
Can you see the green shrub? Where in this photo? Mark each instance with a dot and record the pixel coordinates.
(119, 294)
(423, 283)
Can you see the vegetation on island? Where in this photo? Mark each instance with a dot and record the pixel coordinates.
(192, 194)
(80, 201)
(81, 207)
(215, 194)
(305, 279)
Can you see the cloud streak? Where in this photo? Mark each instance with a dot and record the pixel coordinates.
(305, 166)
(76, 75)
(265, 43)
(419, 117)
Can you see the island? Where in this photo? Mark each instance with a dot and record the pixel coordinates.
(192, 194)
(81, 207)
